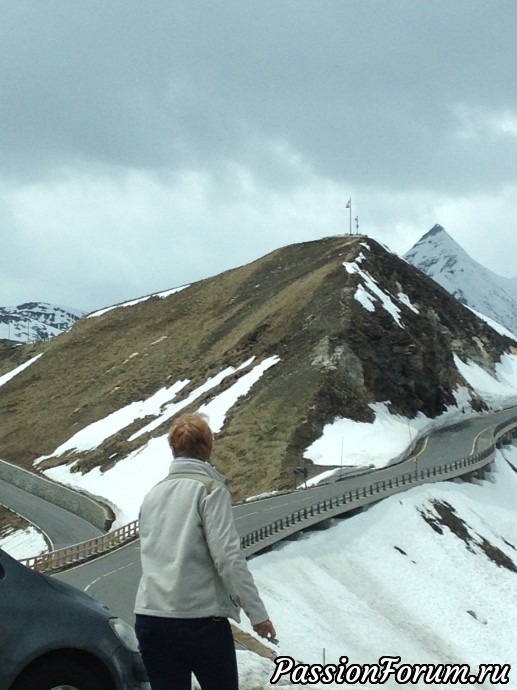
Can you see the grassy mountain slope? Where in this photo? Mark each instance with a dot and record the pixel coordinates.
(298, 303)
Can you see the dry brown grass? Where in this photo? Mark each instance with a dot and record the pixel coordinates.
(294, 303)
(10, 521)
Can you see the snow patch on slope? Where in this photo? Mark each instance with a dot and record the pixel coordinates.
(125, 484)
(130, 303)
(369, 294)
(328, 594)
(14, 372)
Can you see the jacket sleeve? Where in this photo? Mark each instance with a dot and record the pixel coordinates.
(225, 549)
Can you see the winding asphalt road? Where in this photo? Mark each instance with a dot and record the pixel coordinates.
(61, 527)
(113, 578)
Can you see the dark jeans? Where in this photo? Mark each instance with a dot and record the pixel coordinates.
(174, 648)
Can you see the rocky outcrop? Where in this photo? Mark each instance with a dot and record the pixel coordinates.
(351, 324)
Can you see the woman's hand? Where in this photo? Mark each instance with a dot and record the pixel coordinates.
(265, 629)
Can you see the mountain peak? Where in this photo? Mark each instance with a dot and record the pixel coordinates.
(435, 230)
(440, 257)
(273, 352)
(437, 236)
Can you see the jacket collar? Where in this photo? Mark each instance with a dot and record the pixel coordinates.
(193, 465)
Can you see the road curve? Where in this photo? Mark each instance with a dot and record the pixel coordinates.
(113, 578)
(62, 527)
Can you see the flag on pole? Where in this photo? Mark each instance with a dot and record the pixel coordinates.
(349, 203)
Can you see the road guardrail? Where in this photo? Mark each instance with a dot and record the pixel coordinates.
(337, 503)
(68, 556)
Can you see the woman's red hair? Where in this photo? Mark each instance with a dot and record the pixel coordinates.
(191, 437)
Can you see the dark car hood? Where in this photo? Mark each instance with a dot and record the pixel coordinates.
(21, 572)
(70, 591)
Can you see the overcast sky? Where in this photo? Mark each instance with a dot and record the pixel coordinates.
(148, 144)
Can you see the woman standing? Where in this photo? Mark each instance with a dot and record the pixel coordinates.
(194, 574)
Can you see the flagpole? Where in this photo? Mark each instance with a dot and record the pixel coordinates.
(349, 207)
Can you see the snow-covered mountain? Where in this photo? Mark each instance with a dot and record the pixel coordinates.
(35, 321)
(388, 582)
(441, 258)
(324, 354)
(308, 334)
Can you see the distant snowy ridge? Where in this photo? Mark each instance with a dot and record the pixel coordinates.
(441, 258)
(34, 321)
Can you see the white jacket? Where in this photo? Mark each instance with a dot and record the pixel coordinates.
(192, 563)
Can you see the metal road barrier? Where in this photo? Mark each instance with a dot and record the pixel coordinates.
(298, 520)
(78, 553)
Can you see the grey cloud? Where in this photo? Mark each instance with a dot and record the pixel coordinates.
(361, 89)
(388, 100)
